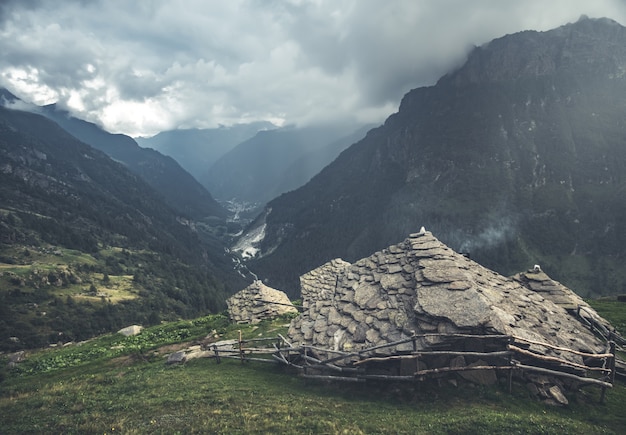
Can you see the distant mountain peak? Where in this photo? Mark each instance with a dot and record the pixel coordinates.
(590, 44)
(6, 96)
(513, 154)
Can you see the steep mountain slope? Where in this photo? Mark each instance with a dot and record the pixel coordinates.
(198, 149)
(86, 246)
(163, 173)
(309, 164)
(260, 168)
(518, 157)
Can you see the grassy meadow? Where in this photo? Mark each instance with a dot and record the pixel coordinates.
(115, 384)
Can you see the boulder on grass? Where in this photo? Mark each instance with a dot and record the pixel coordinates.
(130, 330)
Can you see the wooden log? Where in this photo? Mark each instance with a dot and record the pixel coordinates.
(248, 359)
(311, 359)
(252, 340)
(240, 347)
(555, 359)
(339, 358)
(563, 375)
(258, 349)
(278, 352)
(287, 362)
(319, 349)
(230, 352)
(460, 369)
(289, 351)
(613, 362)
(601, 329)
(323, 364)
(345, 355)
(217, 355)
(387, 358)
(479, 336)
(432, 334)
(415, 355)
(564, 349)
(381, 346)
(279, 356)
(498, 353)
(388, 377)
(285, 340)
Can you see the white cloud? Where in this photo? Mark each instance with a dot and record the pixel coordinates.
(141, 67)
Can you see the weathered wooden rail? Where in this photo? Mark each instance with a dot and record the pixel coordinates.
(508, 354)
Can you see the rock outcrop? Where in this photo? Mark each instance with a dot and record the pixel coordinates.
(130, 330)
(422, 286)
(258, 302)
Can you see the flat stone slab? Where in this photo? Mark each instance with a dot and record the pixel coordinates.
(464, 309)
(422, 286)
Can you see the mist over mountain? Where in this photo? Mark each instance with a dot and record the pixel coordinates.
(518, 157)
(276, 161)
(179, 188)
(196, 150)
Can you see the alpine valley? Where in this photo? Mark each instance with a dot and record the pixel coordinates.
(516, 158)
(87, 246)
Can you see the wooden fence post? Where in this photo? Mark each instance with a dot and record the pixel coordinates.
(241, 355)
(510, 371)
(610, 362)
(612, 365)
(217, 355)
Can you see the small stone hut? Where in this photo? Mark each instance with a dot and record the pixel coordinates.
(422, 288)
(258, 302)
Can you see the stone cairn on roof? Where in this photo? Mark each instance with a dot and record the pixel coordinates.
(421, 286)
(258, 302)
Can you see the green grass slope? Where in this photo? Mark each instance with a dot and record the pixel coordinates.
(116, 384)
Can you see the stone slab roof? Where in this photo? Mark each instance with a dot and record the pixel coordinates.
(258, 302)
(420, 286)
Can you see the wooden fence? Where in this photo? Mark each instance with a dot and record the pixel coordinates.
(501, 353)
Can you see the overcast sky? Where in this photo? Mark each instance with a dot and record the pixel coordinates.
(140, 67)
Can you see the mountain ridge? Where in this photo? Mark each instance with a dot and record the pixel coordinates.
(523, 165)
(196, 150)
(162, 172)
(86, 246)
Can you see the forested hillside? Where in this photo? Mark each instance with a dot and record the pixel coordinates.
(179, 189)
(87, 247)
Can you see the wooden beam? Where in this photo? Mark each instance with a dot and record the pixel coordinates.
(415, 355)
(556, 360)
(460, 369)
(563, 375)
(564, 349)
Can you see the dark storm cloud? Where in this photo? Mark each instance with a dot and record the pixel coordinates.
(140, 67)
